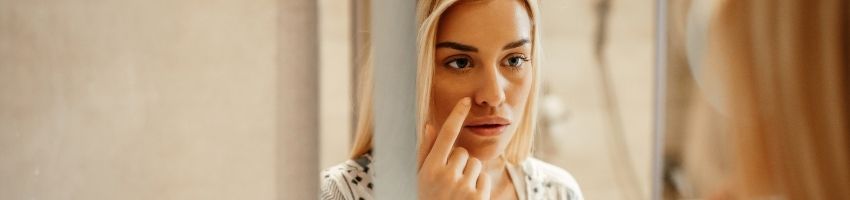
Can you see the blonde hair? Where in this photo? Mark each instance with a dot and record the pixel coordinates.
(788, 85)
(428, 17)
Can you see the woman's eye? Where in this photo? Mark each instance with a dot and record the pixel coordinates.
(515, 61)
(458, 63)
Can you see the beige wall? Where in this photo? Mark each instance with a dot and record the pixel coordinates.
(298, 112)
(156, 99)
(335, 81)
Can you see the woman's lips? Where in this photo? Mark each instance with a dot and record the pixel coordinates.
(487, 126)
(487, 130)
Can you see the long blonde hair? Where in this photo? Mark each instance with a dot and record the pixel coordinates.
(786, 63)
(428, 16)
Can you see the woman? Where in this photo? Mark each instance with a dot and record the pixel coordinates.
(477, 88)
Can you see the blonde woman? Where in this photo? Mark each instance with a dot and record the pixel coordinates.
(477, 87)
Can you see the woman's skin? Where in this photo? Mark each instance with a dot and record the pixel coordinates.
(481, 82)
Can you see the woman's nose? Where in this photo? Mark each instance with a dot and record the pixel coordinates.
(491, 87)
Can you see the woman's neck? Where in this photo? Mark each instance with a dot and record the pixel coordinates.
(500, 181)
(496, 168)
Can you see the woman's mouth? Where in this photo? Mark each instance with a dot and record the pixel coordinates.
(487, 126)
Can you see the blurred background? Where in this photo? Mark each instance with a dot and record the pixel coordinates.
(597, 115)
(186, 99)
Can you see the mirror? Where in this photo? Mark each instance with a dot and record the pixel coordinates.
(596, 109)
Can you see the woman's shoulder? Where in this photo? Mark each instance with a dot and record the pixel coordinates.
(350, 180)
(551, 178)
(548, 172)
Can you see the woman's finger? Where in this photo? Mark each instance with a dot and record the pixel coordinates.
(457, 160)
(430, 134)
(449, 131)
(472, 171)
(483, 186)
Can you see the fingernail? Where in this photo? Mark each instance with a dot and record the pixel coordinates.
(466, 101)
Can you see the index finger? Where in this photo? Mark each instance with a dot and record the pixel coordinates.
(449, 131)
(426, 143)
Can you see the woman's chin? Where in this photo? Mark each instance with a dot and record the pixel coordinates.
(483, 148)
(484, 153)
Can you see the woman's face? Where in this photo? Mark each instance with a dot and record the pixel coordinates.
(482, 51)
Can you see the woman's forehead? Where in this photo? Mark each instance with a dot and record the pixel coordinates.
(483, 22)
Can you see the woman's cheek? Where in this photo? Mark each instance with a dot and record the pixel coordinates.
(445, 95)
(518, 95)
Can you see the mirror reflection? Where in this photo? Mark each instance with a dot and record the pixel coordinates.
(756, 100)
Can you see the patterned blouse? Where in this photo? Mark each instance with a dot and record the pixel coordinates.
(352, 180)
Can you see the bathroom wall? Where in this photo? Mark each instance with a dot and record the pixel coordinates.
(158, 99)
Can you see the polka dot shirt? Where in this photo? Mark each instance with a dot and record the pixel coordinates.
(352, 180)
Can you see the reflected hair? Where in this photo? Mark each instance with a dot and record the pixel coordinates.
(787, 69)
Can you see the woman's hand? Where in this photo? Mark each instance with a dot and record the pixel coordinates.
(448, 172)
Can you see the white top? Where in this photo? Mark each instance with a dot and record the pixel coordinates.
(533, 179)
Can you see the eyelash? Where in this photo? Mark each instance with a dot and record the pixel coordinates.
(522, 57)
(469, 63)
(453, 59)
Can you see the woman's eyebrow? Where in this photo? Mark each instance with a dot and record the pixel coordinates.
(516, 44)
(457, 46)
